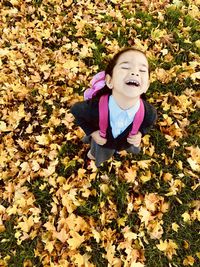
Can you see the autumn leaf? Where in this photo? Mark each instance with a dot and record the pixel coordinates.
(168, 247)
(76, 240)
(131, 174)
(63, 236)
(189, 261)
(145, 215)
(194, 160)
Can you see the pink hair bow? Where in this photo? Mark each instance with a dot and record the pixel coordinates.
(98, 82)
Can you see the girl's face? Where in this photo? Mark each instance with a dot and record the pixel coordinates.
(130, 76)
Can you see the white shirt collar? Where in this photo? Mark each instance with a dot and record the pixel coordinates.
(117, 110)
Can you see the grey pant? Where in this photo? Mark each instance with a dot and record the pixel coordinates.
(101, 153)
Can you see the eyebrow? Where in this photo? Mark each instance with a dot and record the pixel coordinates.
(127, 62)
(124, 62)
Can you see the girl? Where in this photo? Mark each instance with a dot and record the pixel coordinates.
(125, 81)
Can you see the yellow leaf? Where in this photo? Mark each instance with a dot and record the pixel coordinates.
(62, 235)
(27, 263)
(42, 139)
(78, 259)
(195, 76)
(194, 165)
(198, 254)
(155, 229)
(29, 129)
(110, 253)
(175, 227)
(162, 75)
(49, 246)
(168, 247)
(193, 11)
(167, 176)
(189, 260)
(186, 217)
(76, 240)
(156, 34)
(96, 235)
(81, 173)
(14, 2)
(186, 245)
(70, 64)
(81, 260)
(196, 215)
(51, 168)
(129, 235)
(50, 227)
(2, 228)
(26, 224)
(131, 174)
(122, 221)
(145, 215)
(146, 177)
(35, 165)
(144, 164)
(67, 3)
(3, 126)
(197, 43)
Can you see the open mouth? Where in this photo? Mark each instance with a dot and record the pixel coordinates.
(133, 83)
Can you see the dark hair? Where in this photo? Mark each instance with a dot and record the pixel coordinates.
(110, 66)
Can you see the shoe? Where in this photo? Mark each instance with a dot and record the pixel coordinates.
(89, 155)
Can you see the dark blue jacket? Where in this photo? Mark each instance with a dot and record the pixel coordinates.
(86, 115)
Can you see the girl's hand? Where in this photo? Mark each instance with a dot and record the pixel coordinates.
(98, 139)
(135, 139)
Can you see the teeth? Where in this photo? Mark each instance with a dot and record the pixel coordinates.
(133, 82)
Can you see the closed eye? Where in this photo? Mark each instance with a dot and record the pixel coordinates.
(143, 71)
(125, 68)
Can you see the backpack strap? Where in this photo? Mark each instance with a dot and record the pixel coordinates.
(103, 115)
(139, 117)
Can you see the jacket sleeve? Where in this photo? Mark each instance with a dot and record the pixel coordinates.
(149, 120)
(82, 111)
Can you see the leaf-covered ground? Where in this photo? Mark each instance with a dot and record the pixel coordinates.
(133, 211)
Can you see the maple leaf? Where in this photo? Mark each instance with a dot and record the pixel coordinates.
(168, 247)
(51, 168)
(194, 160)
(96, 235)
(186, 217)
(128, 234)
(3, 127)
(42, 139)
(175, 227)
(63, 236)
(76, 240)
(26, 224)
(189, 261)
(145, 215)
(162, 75)
(146, 177)
(155, 229)
(110, 249)
(49, 246)
(144, 164)
(131, 174)
(81, 260)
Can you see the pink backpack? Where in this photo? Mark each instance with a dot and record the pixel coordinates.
(103, 116)
(98, 82)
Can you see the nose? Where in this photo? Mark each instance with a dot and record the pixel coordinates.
(134, 73)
